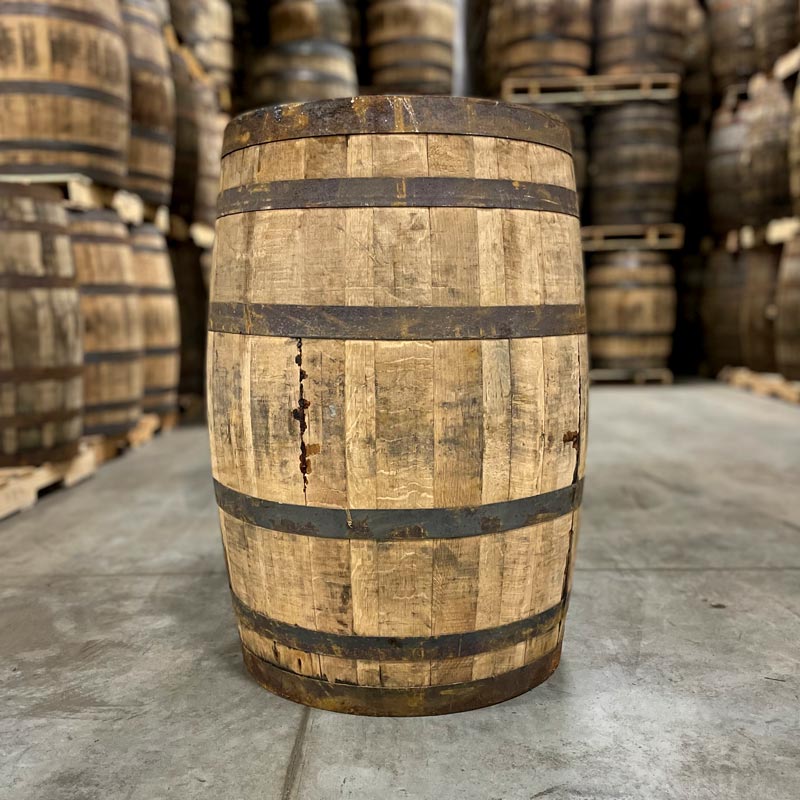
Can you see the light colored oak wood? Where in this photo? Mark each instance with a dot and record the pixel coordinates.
(41, 387)
(400, 424)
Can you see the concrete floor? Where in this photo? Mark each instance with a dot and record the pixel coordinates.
(121, 675)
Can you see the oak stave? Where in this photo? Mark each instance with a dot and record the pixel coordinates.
(113, 331)
(161, 319)
(411, 45)
(630, 305)
(41, 384)
(787, 321)
(301, 71)
(722, 309)
(151, 151)
(640, 36)
(64, 90)
(635, 164)
(295, 20)
(352, 464)
(537, 38)
(206, 27)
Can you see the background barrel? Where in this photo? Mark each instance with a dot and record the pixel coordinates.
(734, 56)
(113, 335)
(393, 404)
(293, 20)
(160, 319)
(41, 385)
(206, 26)
(776, 30)
(64, 90)
(630, 304)
(635, 36)
(758, 311)
(725, 171)
(722, 310)
(151, 153)
(411, 45)
(635, 163)
(211, 129)
(544, 37)
(787, 322)
(794, 153)
(307, 70)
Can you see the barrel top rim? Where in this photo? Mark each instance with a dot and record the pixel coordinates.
(400, 114)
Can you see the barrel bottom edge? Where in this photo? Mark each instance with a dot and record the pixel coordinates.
(346, 698)
(42, 455)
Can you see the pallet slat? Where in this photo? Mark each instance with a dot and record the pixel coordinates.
(764, 384)
(599, 238)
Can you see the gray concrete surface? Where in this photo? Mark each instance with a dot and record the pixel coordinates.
(121, 677)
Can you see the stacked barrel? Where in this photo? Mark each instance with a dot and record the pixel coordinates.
(746, 307)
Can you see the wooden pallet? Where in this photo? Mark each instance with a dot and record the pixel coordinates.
(764, 384)
(20, 487)
(602, 238)
(106, 448)
(82, 194)
(638, 376)
(592, 90)
(788, 65)
(777, 232)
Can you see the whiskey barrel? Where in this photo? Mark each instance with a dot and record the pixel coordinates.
(199, 130)
(766, 152)
(636, 36)
(41, 403)
(161, 320)
(734, 57)
(574, 117)
(696, 88)
(411, 45)
(294, 20)
(397, 398)
(635, 164)
(776, 30)
(787, 321)
(794, 153)
(192, 295)
(64, 93)
(151, 152)
(725, 175)
(298, 71)
(545, 38)
(630, 305)
(758, 311)
(206, 27)
(722, 310)
(113, 335)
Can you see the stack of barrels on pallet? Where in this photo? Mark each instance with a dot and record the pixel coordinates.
(749, 305)
(89, 321)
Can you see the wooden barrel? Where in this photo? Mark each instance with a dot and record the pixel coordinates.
(200, 125)
(574, 117)
(635, 36)
(151, 153)
(41, 402)
(411, 45)
(635, 164)
(758, 311)
(294, 20)
(113, 334)
(630, 304)
(397, 400)
(696, 88)
(192, 295)
(734, 57)
(776, 30)
(206, 26)
(161, 320)
(544, 38)
(299, 71)
(787, 322)
(722, 310)
(64, 90)
(794, 153)
(725, 175)
(765, 157)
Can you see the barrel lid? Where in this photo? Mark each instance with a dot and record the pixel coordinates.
(381, 114)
